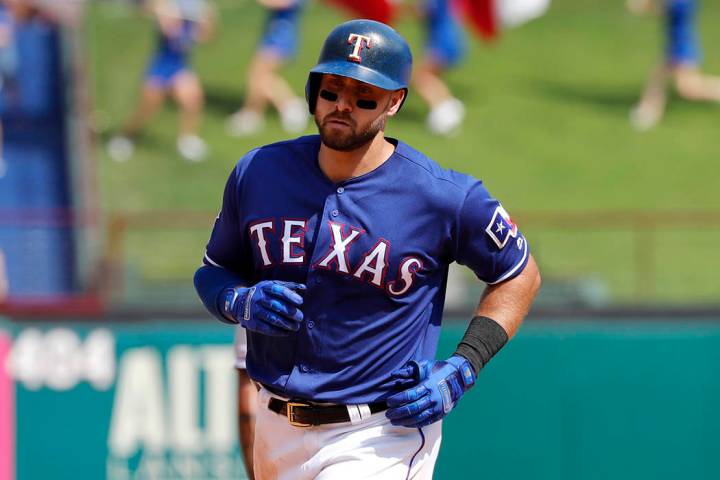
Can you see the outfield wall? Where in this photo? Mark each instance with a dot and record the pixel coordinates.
(619, 398)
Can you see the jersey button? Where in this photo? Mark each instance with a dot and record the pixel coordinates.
(335, 213)
(304, 368)
(311, 324)
(340, 189)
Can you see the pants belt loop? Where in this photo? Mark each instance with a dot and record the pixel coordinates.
(354, 413)
(358, 413)
(364, 411)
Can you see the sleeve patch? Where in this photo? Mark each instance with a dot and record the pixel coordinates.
(501, 228)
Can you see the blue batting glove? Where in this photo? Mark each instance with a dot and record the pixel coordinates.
(270, 307)
(438, 389)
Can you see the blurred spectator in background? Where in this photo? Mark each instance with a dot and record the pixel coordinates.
(180, 24)
(681, 64)
(445, 47)
(264, 84)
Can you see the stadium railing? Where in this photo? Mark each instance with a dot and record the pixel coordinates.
(590, 259)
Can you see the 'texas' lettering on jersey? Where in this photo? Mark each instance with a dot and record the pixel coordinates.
(372, 268)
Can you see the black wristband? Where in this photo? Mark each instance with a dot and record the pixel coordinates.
(483, 338)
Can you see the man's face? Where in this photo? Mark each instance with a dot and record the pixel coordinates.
(350, 113)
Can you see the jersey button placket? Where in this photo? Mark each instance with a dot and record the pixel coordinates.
(335, 213)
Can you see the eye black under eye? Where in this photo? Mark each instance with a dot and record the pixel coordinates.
(367, 104)
(329, 96)
(361, 103)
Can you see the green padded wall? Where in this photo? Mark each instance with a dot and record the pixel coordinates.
(603, 399)
(614, 399)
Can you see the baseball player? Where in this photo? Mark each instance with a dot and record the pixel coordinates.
(246, 401)
(332, 251)
(681, 64)
(180, 24)
(265, 85)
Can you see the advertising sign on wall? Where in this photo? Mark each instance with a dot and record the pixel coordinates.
(121, 402)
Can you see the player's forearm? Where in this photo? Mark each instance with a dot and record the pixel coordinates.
(508, 302)
(210, 281)
(498, 316)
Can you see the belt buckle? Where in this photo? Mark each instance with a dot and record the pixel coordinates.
(291, 414)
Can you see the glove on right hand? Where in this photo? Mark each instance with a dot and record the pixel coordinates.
(269, 307)
(441, 384)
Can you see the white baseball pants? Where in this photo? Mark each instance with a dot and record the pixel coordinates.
(368, 448)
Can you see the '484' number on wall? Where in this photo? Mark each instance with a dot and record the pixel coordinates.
(59, 359)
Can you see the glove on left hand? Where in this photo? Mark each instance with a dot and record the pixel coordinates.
(441, 386)
(270, 307)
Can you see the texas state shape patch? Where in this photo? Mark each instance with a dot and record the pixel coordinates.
(501, 228)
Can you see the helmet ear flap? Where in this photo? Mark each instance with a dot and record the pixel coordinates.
(402, 102)
(312, 87)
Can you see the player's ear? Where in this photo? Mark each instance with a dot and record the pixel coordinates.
(396, 100)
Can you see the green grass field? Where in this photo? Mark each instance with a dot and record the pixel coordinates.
(546, 130)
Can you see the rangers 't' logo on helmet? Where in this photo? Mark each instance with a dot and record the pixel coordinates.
(358, 40)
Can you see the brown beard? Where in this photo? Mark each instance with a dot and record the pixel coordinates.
(352, 140)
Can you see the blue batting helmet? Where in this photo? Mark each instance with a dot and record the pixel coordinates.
(365, 50)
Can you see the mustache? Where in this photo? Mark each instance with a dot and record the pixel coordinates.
(343, 117)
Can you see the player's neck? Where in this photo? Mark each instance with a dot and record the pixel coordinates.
(338, 166)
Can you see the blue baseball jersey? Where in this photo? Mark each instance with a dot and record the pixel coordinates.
(682, 45)
(374, 252)
(445, 40)
(280, 36)
(171, 55)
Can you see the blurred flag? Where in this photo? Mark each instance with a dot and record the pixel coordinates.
(379, 10)
(482, 17)
(489, 17)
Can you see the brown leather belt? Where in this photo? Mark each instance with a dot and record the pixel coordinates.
(301, 414)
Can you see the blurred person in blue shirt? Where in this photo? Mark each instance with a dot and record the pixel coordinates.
(265, 86)
(445, 48)
(681, 63)
(180, 25)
